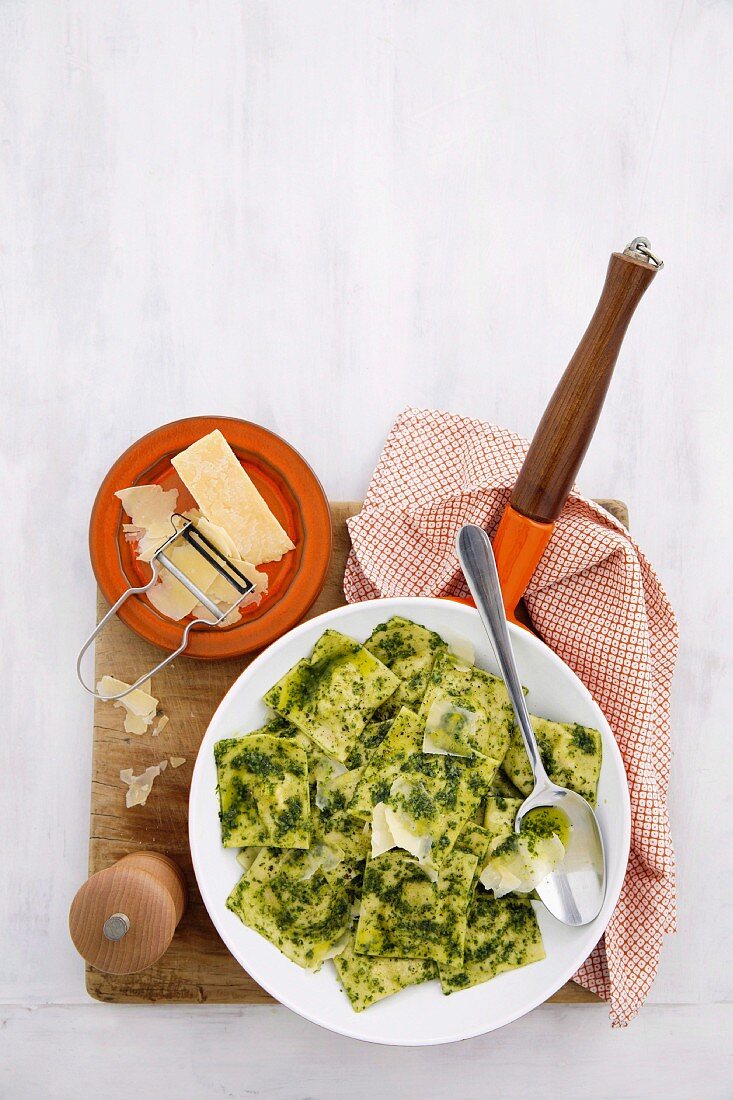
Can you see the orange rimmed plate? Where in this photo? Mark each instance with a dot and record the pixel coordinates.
(291, 490)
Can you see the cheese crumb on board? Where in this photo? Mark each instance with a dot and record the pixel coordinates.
(176, 761)
(139, 706)
(226, 495)
(160, 724)
(140, 786)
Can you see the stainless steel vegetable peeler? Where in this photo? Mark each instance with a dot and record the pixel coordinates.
(240, 584)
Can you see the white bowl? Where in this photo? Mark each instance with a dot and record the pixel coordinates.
(419, 1015)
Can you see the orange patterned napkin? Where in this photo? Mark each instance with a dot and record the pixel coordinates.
(594, 599)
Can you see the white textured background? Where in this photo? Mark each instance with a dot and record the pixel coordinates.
(310, 214)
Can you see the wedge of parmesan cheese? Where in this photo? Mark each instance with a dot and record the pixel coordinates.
(139, 706)
(225, 494)
(140, 786)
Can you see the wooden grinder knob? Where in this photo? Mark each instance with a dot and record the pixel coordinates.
(123, 918)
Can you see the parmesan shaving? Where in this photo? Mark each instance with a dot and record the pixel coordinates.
(176, 761)
(151, 510)
(160, 724)
(450, 729)
(382, 839)
(325, 770)
(523, 866)
(225, 594)
(247, 856)
(139, 705)
(321, 857)
(396, 829)
(460, 647)
(221, 539)
(140, 786)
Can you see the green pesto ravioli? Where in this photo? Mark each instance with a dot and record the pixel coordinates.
(263, 792)
(370, 805)
(331, 695)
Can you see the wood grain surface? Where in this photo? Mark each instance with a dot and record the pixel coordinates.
(197, 967)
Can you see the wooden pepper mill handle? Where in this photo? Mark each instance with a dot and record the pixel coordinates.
(567, 426)
(123, 918)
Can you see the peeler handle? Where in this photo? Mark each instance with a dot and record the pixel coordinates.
(567, 426)
(102, 624)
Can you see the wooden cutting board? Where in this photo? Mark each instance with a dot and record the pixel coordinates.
(197, 967)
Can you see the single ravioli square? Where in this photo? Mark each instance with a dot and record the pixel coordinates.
(409, 650)
(474, 839)
(463, 690)
(374, 733)
(500, 935)
(263, 792)
(432, 799)
(405, 914)
(403, 740)
(571, 753)
(293, 906)
(499, 815)
(367, 979)
(332, 695)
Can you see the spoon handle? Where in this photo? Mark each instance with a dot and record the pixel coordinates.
(479, 568)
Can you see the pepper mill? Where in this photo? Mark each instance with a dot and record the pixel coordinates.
(123, 918)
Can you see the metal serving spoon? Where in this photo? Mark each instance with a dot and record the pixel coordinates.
(574, 891)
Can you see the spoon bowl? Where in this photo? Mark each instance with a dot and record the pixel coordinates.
(574, 891)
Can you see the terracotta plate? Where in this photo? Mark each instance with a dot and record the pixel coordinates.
(291, 490)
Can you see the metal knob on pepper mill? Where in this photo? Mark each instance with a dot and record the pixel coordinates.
(123, 918)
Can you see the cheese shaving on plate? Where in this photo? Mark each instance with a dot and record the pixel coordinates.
(395, 828)
(521, 863)
(150, 509)
(461, 648)
(449, 730)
